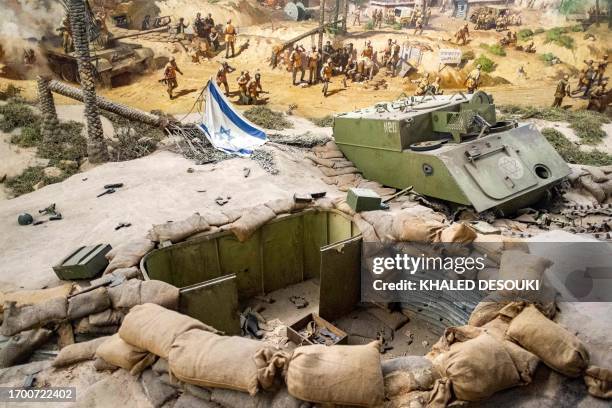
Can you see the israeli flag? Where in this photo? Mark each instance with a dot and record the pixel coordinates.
(225, 128)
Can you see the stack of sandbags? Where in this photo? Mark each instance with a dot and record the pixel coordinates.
(21, 346)
(18, 319)
(596, 180)
(32, 297)
(128, 255)
(408, 381)
(77, 352)
(251, 220)
(116, 352)
(179, 230)
(341, 375)
(207, 359)
(154, 328)
(473, 364)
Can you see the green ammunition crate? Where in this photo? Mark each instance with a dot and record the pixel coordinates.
(86, 262)
(363, 199)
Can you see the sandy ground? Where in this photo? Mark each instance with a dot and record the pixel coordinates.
(157, 189)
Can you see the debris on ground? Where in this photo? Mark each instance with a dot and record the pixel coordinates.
(299, 301)
(246, 172)
(222, 200)
(267, 118)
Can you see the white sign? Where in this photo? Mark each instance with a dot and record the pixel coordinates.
(450, 56)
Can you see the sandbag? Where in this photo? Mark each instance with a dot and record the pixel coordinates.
(17, 319)
(35, 296)
(329, 172)
(285, 205)
(594, 188)
(341, 205)
(215, 218)
(128, 254)
(160, 293)
(558, 348)
(101, 365)
(87, 303)
(271, 367)
(236, 399)
(478, 368)
(599, 382)
(156, 390)
(77, 352)
(406, 374)
(598, 175)
(83, 326)
(607, 187)
(331, 145)
(319, 160)
(117, 352)
(517, 265)
(118, 274)
(251, 221)
(347, 375)
(179, 230)
(409, 228)
(135, 292)
(330, 154)
(21, 346)
(458, 233)
(108, 317)
(441, 394)
(154, 328)
(208, 360)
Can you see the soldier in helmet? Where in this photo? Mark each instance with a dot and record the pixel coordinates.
(295, 58)
(313, 65)
(597, 97)
(462, 35)
(253, 89)
(66, 31)
(230, 38)
(473, 79)
(418, 26)
(422, 85)
(563, 90)
(436, 86)
(601, 69)
(170, 76)
(586, 77)
(243, 80)
(326, 74)
(221, 77)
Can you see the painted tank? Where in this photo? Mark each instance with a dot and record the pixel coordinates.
(451, 147)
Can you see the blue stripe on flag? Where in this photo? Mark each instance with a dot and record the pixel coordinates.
(229, 112)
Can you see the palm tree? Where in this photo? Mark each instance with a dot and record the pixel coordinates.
(97, 151)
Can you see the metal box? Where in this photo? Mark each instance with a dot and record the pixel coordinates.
(86, 262)
(295, 332)
(363, 199)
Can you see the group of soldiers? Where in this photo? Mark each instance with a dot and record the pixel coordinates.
(511, 40)
(592, 82)
(345, 60)
(486, 20)
(424, 86)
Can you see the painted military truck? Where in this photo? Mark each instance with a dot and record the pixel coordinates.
(451, 148)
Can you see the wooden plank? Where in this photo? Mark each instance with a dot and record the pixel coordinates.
(214, 302)
(283, 258)
(340, 278)
(242, 259)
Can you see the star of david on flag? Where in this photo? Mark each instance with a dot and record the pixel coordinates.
(225, 128)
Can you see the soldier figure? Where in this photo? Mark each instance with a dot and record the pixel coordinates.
(146, 23)
(386, 59)
(530, 48)
(230, 38)
(368, 51)
(208, 21)
(214, 38)
(601, 69)
(253, 88)
(436, 86)
(357, 16)
(243, 80)
(473, 79)
(563, 90)
(418, 27)
(181, 26)
(586, 77)
(66, 31)
(596, 100)
(462, 35)
(422, 85)
(326, 74)
(313, 65)
(222, 76)
(296, 63)
(198, 25)
(170, 76)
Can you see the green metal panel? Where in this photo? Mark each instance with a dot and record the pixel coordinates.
(338, 228)
(282, 253)
(244, 260)
(315, 237)
(340, 288)
(214, 302)
(371, 133)
(191, 264)
(363, 199)
(86, 262)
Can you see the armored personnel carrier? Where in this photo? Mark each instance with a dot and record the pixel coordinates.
(451, 148)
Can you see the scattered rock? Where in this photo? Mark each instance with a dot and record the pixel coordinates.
(157, 392)
(425, 343)
(68, 165)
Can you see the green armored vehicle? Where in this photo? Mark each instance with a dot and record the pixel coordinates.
(451, 148)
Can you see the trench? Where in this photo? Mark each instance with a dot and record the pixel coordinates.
(312, 255)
